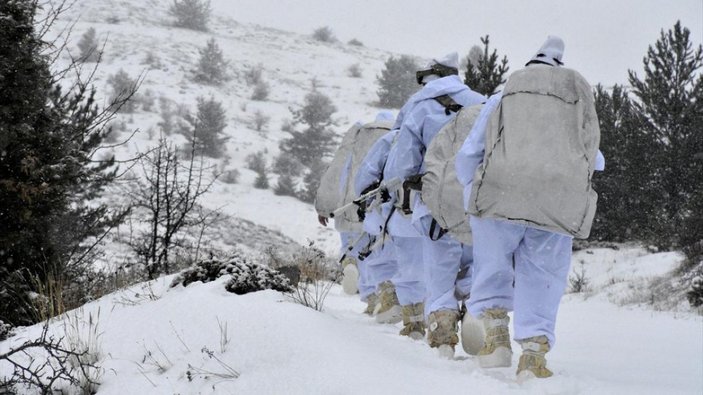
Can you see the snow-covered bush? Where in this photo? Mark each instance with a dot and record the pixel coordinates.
(191, 14)
(245, 276)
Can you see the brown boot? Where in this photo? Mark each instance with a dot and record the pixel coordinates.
(371, 302)
(388, 310)
(532, 361)
(413, 321)
(496, 351)
(442, 331)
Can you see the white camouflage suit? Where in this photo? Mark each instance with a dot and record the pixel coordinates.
(526, 174)
(422, 262)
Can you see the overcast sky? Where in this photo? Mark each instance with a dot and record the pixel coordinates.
(604, 38)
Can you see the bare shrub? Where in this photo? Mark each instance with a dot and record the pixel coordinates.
(59, 365)
(578, 281)
(315, 272)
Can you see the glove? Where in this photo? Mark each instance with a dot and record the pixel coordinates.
(361, 210)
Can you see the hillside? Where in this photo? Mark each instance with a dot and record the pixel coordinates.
(139, 38)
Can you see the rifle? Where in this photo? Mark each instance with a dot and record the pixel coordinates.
(351, 246)
(361, 200)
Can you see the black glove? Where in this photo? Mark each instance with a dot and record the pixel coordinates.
(361, 210)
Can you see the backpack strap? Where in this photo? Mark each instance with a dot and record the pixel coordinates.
(448, 103)
(433, 226)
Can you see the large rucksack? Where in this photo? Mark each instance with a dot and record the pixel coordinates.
(441, 191)
(337, 184)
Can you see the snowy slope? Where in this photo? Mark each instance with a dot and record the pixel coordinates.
(135, 30)
(279, 347)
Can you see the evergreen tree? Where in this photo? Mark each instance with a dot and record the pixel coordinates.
(670, 97)
(483, 72)
(316, 140)
(311, 181)
(262, 180)
(191, 14)
(207, 127)
(212, 66)
(397, 81)
(285, 186)
(123, 88)
(88, 45)
(627, 182)
(49, 177)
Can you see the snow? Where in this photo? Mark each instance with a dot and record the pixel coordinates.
(151, 336)
(278, 346)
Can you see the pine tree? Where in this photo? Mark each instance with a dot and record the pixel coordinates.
(311, 181)
(397, 81)
(317, 139)
(212, 66)
(627, 183)
(49, 177)
(483, 72)
(670, 97)
(285, 186)
(123, 88)
(88, 45)
(207, 127)
(262, 180)
(191, 14)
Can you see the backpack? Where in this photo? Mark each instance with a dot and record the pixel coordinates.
(441, 191)
(337, 184)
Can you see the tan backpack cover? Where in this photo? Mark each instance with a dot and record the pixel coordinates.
(541, 145)
(441, 191)
(337, 184)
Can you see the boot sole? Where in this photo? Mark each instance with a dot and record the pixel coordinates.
(391, 316)
(472, 334)
(502, 357)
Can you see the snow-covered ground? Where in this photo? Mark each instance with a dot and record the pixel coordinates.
(155, 340)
